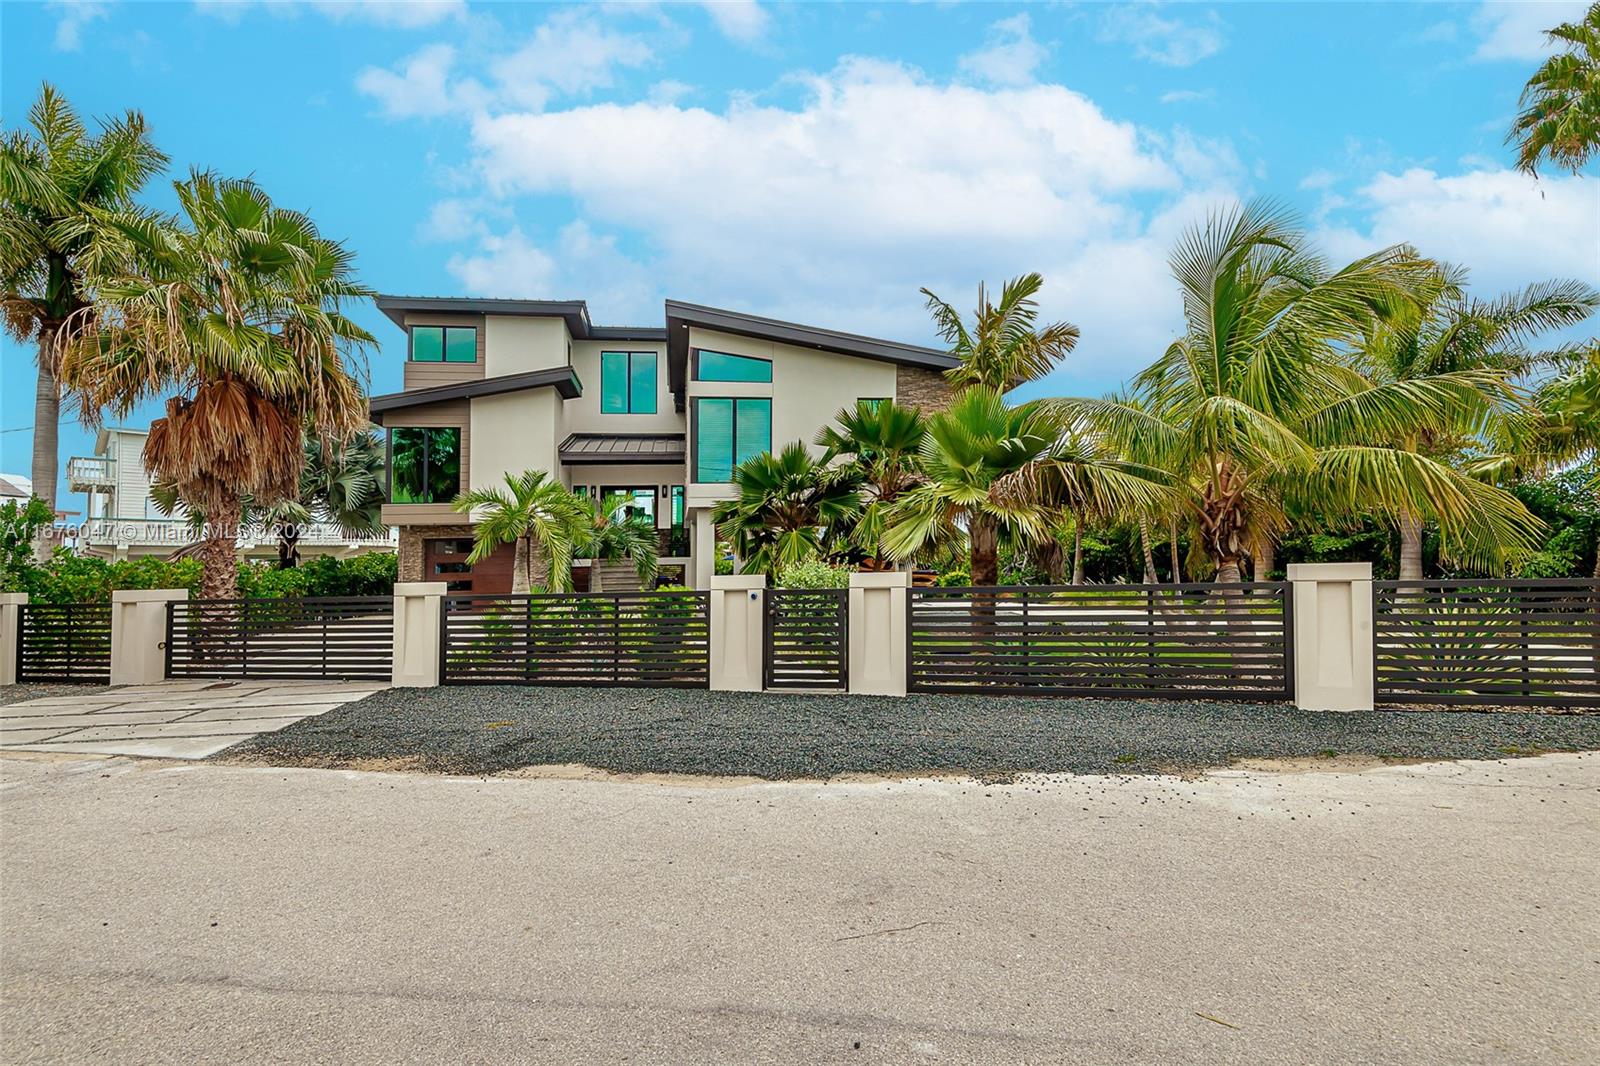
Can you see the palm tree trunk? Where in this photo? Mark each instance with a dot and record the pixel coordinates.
(1410, 548)
(985, 542)
(596, 582)
(1077, 550)
(1172, 531)
(219, 557)
(519, 567)
(1266, 559)
(1144, 548)
(1228, 571)
(46, 435)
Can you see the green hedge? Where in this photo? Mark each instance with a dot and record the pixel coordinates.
(72, 578)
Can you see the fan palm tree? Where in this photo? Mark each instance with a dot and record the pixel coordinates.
(53, 179)
(1471, 351)
(1560, 118)
(537, 514)
(788, 507)
(237, 307)
(1255, 399)
(607, 538)
(1004, 346)
(879, 444)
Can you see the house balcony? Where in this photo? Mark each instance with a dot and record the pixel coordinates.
(91, 473)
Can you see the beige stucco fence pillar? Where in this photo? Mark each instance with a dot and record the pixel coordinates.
(1332, 636)
(418, 608)
(10, 625)
(139, 634)
(738, 606)
(878, 633)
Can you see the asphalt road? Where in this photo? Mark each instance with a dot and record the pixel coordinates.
(204, 913)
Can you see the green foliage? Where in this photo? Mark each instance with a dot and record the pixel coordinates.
(19, 524)
(1571, 511)
(71, 578)
(1560, 118)
(1370, 542)
(789, 506)
(814, 573)
(955, 579)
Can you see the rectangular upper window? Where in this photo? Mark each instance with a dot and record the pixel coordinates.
(424, 464)
(719, 366)
(444, 344)
(628, 383)
(727, 432)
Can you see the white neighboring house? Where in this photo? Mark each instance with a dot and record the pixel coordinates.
(121, 521)
(15, 487)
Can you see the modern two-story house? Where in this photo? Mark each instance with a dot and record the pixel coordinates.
(660, 413)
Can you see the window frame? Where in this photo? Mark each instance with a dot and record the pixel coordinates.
(733, 434)
(444, 344)
(695, 370)
(627, 392)
(427, 463)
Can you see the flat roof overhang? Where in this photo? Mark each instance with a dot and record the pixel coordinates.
(561, 378)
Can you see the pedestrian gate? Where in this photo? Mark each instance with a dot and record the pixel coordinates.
(807, 637)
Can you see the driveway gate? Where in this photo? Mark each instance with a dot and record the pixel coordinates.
(64, 642)
(807, 636)
(339, 638)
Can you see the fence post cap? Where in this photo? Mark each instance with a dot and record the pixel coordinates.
(147, 595)
(739, 581)
(1330, 571)
(13, 599)
(421, 588)
(880, 579)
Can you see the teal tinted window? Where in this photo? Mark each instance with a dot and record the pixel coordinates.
(424, 465)
(460, 344)
(719, 366)
(727, 432)
(427, 344)
(677, 507)
(628, 383)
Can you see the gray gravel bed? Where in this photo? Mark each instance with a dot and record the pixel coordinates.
(481, 730)
(10, 694)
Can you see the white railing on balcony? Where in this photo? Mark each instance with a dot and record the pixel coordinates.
(91, 470)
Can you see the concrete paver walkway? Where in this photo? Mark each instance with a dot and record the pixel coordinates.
(173, 720)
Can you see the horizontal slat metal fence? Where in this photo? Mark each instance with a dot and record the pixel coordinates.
(340, 638)
(1487, 641)
(655, 639)
(807, 638)
(1190, 640)
(64, 642)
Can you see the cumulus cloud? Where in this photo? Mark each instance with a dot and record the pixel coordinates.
(1009, 57)
(744, 21)
(402, 14)
(1517, 31)
(72, 17)
(422, 87)
(1170, 41)
(1188, 96)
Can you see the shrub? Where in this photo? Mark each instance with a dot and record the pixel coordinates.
(955, 579)
(814, 573)
(71, 578)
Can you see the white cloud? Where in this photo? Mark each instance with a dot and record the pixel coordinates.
(1188, 96)
(1172, 42)
(73, 16)
(1506, 228)
(1517, 30)
(744, 21)
(1010, 56)
(669, 91)
(422, 88)
(402, 14)
(581, 265)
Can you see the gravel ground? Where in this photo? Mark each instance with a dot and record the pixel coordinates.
(10, 694)
(481, 730)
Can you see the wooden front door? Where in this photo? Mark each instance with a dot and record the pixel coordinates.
(445, 559)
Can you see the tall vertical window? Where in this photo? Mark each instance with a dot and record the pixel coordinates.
(628, 383)
(677, 507)
(444, 344)
(719, 366)
(727, 432)
(424, 465)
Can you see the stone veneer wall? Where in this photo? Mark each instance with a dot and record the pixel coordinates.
(916, 386)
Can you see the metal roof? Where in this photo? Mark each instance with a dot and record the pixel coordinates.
(623, 448)
(560, 378)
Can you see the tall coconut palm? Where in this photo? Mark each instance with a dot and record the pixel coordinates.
(879, 443)
(1560, 118)
(607, 537)
(536, 513)
(1255, 399)
(54, 178)
(1004, 345)
(1470, 350)
(237, 307)
(787, 508)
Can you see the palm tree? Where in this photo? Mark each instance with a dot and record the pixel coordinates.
(788, 507)
(1560, 117)
(1470, 351)
(537, 514)
(237, 307)
(1004, 345)
(53, 181)
(1255, 399)
(879, 443)
(607, 538)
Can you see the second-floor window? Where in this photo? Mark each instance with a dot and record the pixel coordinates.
(444, 344)
(727, 432)
(720, 366)
(424, 464)
(628, 383)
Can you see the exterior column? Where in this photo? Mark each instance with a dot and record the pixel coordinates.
(10, 632)
(878, 633)
(139, 634)
(738, 614)
(1333, 636)
(417, 634)
(703, 548)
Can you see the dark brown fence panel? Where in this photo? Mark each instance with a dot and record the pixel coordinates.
(1487, 641)
(339, 638)
(807, 639)
(654, 639)
(64, 642)
(1209, 641)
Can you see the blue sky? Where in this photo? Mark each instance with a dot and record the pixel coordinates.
(822, 162)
